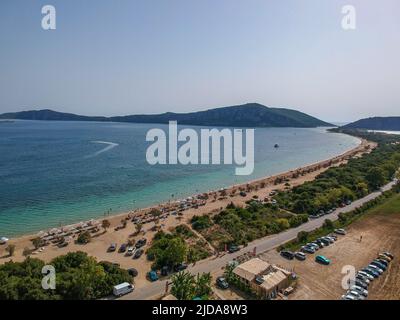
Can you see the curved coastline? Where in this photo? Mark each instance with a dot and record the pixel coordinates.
(115, 218)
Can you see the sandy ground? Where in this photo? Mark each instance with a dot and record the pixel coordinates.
(319, 282)
(98, 246)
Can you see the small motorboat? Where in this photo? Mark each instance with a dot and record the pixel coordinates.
(276, 146)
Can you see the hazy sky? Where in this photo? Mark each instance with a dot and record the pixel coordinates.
(126, 56)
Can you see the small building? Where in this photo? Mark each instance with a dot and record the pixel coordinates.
(265, 279)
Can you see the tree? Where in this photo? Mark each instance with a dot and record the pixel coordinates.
(183, 286)
(302, 236)
(78, 277)
(362, 189)
(175, 252)
(375, 178)
(155, 213)
(328, 224)
(26, 252)
(10, 249)
(37, 242)
(203, 285)
(105, 224)
(84, 238)
(138, 227)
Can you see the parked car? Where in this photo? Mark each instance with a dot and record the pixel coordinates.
(3, 240)
(366, 275)
(132, 272)
(138, 254)
(112, 247)
(140, 243)
(384, 257)
(383, 262)
(322, 260)
(243, 194)
(122, 289)
(300, 256)
(373, 267)
(233, 248)
(165, 271)
(355, 294)
(313, 245)
(222, 283)
(388, 254)
(287, 254)
(348, 297)
(363, 279)
(371, 272)
(130, 251)
(326, 242)
(122, 248)
(359, 290)
(340, 231)
(330, 239)
(152, 276)
(180, 267)
(361, 283)
(307, 249)
(379, 265)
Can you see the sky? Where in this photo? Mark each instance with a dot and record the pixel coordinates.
(119, 57)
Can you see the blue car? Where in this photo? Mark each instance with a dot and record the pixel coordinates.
(322, 260)
(152, 275)
(371, 272)
(379, 265)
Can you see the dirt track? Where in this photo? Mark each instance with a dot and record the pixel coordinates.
(318, 282)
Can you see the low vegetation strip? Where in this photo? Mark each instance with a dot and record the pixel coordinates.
(388, 202)
(181, 245)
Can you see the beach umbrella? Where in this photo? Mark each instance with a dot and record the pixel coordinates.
(3, 240)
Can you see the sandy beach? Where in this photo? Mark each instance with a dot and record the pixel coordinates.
(215, 202)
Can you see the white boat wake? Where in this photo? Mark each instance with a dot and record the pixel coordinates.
(110, 145)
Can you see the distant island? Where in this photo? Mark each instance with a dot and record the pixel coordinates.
(246, 115)
(376, 123)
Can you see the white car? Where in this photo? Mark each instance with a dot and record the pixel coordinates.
(355, 294)
(374, 267)
(340, 231)
(348, 297)
(359, 290)
(366, 275)
(130, 251)
(3, 240)
(122, 289)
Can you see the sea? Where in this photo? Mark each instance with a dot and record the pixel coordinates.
(55, 173)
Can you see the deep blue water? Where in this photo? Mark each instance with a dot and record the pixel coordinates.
(50, 173)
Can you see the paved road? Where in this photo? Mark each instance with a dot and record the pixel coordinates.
(264, 244)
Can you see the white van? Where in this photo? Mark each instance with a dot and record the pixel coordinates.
(122, 289)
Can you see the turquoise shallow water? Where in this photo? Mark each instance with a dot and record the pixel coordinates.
(52, 173)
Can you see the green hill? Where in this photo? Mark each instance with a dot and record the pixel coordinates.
(376, 123)
(247, 115)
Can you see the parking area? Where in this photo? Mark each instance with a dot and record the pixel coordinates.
(364, 240)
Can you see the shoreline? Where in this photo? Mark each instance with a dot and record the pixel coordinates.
(56, 214)
(112, 217)
(168, 220)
